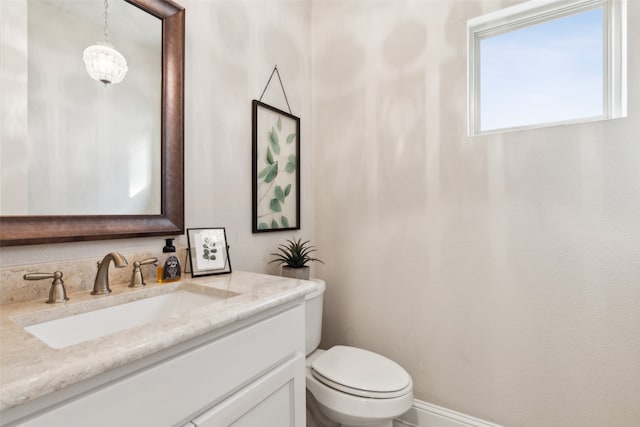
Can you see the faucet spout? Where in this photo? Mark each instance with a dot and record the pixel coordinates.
(101, 284)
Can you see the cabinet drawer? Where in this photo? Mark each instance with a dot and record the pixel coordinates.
(178, 388)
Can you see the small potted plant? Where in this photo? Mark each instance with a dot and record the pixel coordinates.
(294, 257)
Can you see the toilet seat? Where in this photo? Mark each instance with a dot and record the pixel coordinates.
(361, 373)
(349, 409)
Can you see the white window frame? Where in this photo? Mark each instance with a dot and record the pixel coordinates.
(538, 11)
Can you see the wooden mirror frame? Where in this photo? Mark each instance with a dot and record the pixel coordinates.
(29, 230)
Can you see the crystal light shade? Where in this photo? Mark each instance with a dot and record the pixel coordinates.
(104, 63)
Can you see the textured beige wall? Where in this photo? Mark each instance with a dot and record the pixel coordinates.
(231, 48)
(502, 271)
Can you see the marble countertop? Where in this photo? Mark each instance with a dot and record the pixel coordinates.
(30, 369)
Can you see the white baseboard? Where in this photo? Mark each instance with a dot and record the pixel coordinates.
(424, 414)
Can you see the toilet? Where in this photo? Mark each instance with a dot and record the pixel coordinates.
(350, 386)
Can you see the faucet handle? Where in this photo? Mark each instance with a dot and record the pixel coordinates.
(57, 293)
(137, 280)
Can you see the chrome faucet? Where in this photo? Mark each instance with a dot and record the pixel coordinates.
(101, 284)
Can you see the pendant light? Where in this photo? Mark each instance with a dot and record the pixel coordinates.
(103, 62)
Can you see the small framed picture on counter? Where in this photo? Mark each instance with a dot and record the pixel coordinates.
(208, 251)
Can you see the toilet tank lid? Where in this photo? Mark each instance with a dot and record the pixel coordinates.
(360, 369)
(319, 291)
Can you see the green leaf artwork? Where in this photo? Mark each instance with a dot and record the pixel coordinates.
(279, 193)
(275, 205)
(274, 141)
(269, 173)
(269, 156)
(291, 164)
(276, 192)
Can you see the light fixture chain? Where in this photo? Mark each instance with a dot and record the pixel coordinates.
(106, 17)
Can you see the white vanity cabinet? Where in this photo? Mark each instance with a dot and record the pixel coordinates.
(249, 373)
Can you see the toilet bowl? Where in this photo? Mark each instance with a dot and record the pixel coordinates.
(350, 386)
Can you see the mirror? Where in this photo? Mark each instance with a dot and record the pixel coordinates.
(162, 210)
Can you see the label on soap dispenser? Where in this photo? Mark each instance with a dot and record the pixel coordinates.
(171, 270)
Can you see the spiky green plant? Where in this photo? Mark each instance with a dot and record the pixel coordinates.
(295, 253)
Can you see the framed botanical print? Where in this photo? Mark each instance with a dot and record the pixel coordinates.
(208, 251)
(276, 169)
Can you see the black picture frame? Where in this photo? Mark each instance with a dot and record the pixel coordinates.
(275, 169)
(208, 251)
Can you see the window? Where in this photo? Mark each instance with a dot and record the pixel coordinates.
(544, 63)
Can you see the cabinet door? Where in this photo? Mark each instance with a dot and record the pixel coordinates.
(274, 400)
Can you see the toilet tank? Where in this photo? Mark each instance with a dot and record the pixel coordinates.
(313, 317)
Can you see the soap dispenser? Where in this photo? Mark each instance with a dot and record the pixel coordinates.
(169, 267)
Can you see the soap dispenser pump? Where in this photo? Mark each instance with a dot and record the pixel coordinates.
(169, 267)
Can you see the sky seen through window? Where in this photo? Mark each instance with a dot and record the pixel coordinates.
(543, 73)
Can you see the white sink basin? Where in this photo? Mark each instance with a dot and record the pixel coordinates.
(67, 331)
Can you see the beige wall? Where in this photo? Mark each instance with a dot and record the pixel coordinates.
(231, 48)
(502, 271)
